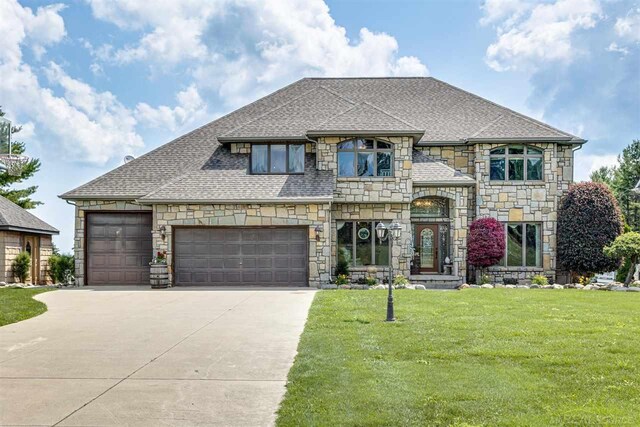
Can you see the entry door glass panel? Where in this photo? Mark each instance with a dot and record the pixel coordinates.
(427, 248)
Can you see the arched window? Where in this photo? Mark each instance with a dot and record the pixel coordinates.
(516, 163)
(430, 207)
(365, 157)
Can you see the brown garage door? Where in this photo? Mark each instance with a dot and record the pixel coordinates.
(118, 248)
(229, 256)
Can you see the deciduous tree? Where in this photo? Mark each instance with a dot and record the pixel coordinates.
(588, 220)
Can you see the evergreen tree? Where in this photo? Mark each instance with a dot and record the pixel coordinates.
(21, 197)
(604, 175)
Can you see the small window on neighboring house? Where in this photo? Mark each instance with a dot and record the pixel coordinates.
(524, 245)
(277, 158)
(365, 157)
(515, 163)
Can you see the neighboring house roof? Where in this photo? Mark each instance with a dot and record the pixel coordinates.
(15, 218)
(434, 111)
(427, 171)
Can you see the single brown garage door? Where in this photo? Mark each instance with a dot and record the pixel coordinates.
(119, 248)
(230, 256)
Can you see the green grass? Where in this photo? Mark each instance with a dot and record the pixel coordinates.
(470, 358)
(18, 304)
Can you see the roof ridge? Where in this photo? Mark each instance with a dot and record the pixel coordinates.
(488, 125)
(538, 122)
(390, 115)
(281, 106)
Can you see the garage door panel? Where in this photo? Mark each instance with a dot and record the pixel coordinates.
(119, 248)
(275, 256)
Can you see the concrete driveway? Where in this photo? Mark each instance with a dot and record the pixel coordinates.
(140, 357)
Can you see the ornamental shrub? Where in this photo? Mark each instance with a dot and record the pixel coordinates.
(588, 220)
(61, 268)
(486, 243)
(539, 280)
(626, 246)
(21, 266)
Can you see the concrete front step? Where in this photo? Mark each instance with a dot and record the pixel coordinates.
(436, 281)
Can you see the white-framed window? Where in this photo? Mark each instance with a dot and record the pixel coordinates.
(362, 157)
(358, 244)
(523, 244)
(516, 163)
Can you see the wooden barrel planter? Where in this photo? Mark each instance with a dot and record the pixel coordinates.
(159, 276)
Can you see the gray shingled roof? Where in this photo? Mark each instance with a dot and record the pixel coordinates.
(429, 171)
(13, 217)
(441, 113)
(225, 178)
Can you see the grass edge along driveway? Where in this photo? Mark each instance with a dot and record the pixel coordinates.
(475, 357)
(17, 304)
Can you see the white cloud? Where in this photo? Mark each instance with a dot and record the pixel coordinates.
(628, 27)
(190, 109)
(534, 33)
(243, 49)
(613, 47)
(591, 162)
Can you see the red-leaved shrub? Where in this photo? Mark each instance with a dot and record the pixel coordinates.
(486, 243)
(588, 220)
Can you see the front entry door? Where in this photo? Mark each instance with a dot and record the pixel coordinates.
(427, 246)
(32, 247)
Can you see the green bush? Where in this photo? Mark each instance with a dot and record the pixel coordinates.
(539, 280)
(62, 268)
(621, 273)
(21, 266)
(371, 280)
(400, 281)
(342, 279)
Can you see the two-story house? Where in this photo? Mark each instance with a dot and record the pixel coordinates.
(276, 192)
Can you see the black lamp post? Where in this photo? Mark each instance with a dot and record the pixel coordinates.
(394, 231)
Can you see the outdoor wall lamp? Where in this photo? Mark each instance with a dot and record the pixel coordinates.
(163, 232)
(319, 230)
(395, 230)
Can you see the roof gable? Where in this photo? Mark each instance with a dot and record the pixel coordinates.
(13, 217)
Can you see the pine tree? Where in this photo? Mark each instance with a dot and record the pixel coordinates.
(603, 174)
(21, 197)
(625, 178)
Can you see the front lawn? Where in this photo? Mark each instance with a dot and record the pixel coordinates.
(18, 304)
(475, 357)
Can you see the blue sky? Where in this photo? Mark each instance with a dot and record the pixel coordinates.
(95, 80)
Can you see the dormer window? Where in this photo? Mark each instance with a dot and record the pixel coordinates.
(516, 163)
(365, 157)
(277, 159)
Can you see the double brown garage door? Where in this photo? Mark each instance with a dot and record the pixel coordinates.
(119, 250)
(229, 256)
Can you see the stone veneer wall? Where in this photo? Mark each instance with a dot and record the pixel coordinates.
(395, 189)
(387, 213)
(46, 250)
(310, 215)
(95, 205)
(526, 202)
(11, 244)
(461, 158)
(459, 221)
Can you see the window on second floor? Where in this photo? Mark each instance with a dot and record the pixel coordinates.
(277, 158)
(516, 163)
(365, 157)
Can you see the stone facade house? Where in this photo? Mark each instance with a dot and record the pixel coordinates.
(21, 231)
(277, 192)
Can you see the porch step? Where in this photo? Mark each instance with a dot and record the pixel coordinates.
(436, 281)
